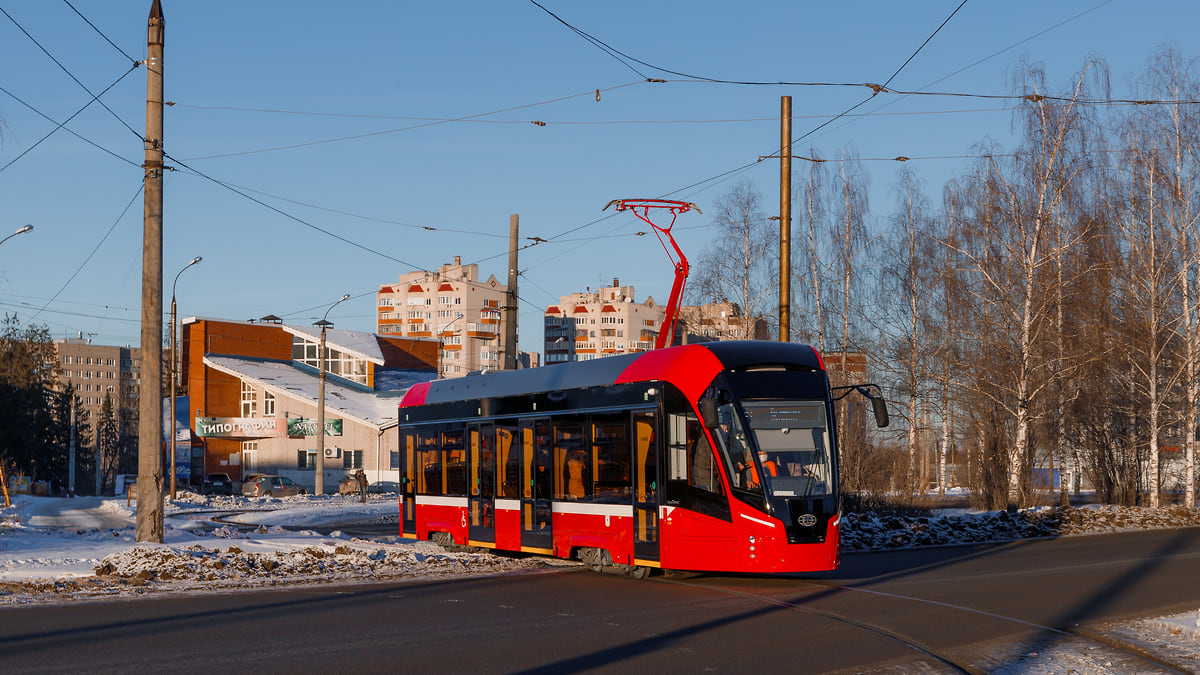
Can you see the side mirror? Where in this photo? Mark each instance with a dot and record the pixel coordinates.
(708, 413)
(881, 414)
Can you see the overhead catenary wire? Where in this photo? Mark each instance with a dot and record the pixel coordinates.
(557, 237)
(95, 97)
(89, 255)
(100, 32)
(592, 92)
(314, 227)
(60, 125)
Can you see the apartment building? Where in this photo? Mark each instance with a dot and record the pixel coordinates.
(593, 324)
(452, 306)
(718, 321)
(97, 371)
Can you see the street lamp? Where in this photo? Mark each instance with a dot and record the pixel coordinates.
(442, 345)
(171, 433)
(22, 230)
(319, 487)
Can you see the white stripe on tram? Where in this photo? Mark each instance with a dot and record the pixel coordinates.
(434, 500)
(618, 510)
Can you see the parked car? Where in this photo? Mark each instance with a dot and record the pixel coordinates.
(216, 483)
(348, 485)
(383, 486)
(271, 486)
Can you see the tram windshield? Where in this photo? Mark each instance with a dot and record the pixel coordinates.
(792, 444)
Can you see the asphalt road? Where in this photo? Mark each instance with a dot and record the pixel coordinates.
(907, 609)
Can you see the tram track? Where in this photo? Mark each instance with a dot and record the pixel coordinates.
(953, 662)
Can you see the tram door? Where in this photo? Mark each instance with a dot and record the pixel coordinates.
(646, 488)
(408, 483)
(481, 505)
(537, 469)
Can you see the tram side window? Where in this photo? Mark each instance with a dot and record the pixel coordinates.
(454, 457)
(702, 469)
(612, 451)
(693, 475)
(508, 466)
(573, 466)
(430, 463)
(691, 458)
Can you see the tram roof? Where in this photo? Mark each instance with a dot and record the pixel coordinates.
(608, 370)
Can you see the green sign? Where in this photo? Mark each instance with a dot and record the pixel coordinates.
(304, 426)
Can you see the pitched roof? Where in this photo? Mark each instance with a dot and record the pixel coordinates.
(283, 378)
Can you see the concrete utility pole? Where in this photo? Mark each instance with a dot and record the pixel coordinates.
(150, 435)
(785, 221)
(510, 299)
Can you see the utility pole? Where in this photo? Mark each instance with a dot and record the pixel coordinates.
(785, 220)
(510, 299)
(150, 424)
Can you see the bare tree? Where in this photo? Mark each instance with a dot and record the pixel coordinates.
(908, 331)
(737, 264)
(1175, 128)
(811, 266)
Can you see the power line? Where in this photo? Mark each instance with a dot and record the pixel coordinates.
(595, 92)
(100, 32)
(89, 256)
(597, 43)
(95, 97)
(287, 215)
(428, 228)
(918, 51)
(322, 230)
(60, 125)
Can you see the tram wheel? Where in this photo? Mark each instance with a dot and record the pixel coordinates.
(638, 571)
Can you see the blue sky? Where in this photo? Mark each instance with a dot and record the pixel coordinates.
(352, 120)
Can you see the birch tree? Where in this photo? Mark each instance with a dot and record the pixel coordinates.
(1175, 129)
(737, 264)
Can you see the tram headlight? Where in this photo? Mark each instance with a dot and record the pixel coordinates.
(752, 540)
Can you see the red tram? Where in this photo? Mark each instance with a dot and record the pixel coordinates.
(716, 456)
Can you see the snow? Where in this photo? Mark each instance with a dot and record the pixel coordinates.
(61, 550)
(54, 550)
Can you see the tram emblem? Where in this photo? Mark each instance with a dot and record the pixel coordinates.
(807, 520)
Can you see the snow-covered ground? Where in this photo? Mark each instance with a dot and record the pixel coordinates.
(59, 550)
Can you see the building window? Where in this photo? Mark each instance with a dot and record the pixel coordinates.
(306, 459)
(268, 404)
(394, 460)
(352, 459)
(249, 400)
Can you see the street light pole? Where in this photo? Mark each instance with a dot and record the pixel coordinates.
(23, 229)
(442, 345)
(319, 486)
(174, 386)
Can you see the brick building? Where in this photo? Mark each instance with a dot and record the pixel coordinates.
(250, 385)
